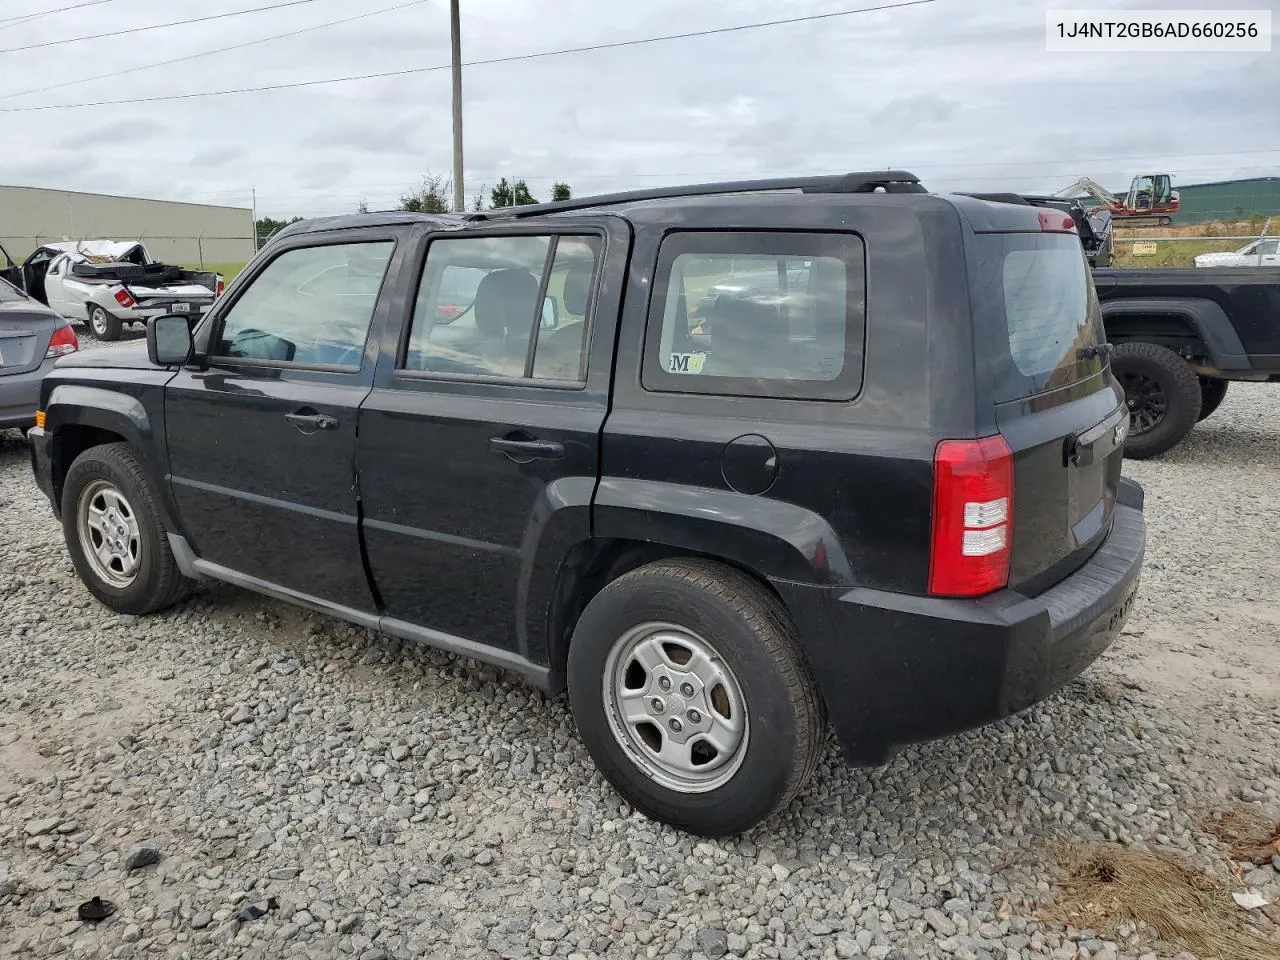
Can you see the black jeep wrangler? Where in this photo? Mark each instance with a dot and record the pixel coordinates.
(876, 478)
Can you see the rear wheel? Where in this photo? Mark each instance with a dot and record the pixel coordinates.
(102, 324)
(1162, 394)
(115, 535)
(693, 698)
(1212, 393)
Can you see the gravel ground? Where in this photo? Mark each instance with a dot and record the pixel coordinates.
(379, 801)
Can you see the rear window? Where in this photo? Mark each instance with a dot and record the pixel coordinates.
(9, 294)
(1035, 294)
(758, 314)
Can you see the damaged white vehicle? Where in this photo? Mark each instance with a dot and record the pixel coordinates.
(108, 283)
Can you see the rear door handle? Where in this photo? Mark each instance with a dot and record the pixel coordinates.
(522, 451)
(309, 422)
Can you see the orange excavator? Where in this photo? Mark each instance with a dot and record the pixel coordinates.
(1150, 202)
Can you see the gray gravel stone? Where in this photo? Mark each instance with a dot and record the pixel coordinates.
(143, 856)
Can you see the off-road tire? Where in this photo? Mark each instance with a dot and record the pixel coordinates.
(158, 582)
(752, 634)
(1141, 365)
(1212, 393)
(103, 325)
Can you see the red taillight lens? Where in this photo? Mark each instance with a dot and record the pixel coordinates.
(972, 517)
(219, 287)
(62, 342)
(124, 299)
(1051, 221)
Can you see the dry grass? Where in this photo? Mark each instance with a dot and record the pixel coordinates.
(1249, 836)
(1109, 884)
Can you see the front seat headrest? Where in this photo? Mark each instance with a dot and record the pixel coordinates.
(504, 304)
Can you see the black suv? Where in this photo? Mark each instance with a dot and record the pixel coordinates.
(875, 478)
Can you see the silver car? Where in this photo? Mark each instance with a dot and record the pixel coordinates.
(32, 337)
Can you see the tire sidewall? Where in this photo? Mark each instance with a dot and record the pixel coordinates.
(772, 745)
(88, 467)
(1212, 393)
(110, 326)
(1181, 389)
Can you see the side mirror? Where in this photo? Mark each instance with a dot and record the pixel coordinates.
(550, 314)
(169, 341)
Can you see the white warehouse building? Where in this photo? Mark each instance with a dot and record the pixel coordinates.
(183, 233)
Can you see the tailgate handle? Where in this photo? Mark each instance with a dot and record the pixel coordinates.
(1079, 448)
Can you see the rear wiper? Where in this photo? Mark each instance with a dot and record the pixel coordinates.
(1094, 350)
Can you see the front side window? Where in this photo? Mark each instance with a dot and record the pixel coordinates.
(758, 314)
(310, 306)
(509, 307)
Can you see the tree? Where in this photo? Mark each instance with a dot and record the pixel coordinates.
(506, 194)
(267, 227)
(561, 191)
(431, 197)
(477, 199)
(363, 207)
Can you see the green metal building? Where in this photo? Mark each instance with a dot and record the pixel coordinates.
(1229, 200)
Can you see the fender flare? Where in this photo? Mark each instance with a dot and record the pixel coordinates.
(1209, 321)
(80, 405)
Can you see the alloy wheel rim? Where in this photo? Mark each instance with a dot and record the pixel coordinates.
(1146, 401)
(110, 537)
(675, 707)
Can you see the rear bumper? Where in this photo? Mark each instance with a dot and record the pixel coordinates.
(20, 396)
(898, 669)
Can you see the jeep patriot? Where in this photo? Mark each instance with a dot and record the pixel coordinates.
(728, 462)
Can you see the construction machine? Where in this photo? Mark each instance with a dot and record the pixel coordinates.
(1150, 202)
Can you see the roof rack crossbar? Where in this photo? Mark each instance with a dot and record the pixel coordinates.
(891, 181)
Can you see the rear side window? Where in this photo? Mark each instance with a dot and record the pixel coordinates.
(1034, 294)
(510, 307)
(758, 314)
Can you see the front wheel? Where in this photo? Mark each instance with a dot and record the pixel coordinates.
(693, 698)
(1212, 393)
(114, 533)
(1162, 393)
(102, 324)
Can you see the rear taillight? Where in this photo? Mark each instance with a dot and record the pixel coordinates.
(1051, 221)
(972, 517)
(62, 342)
(124, 299)
(219, 287)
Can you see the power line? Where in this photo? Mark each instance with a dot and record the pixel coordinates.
(209, 53)
(158, 26)
(36, 15)
(472, 63)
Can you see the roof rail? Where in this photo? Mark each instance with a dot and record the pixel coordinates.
(891, 181)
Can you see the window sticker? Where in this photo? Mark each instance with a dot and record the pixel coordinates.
(687, 362)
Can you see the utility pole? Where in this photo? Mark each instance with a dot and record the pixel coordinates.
(253, 191)
(455, 36)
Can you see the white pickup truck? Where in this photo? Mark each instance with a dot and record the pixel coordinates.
(108, 283)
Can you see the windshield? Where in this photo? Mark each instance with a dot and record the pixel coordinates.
(1033, 291)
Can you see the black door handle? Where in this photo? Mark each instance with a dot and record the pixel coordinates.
(522, 451)
(307, 422)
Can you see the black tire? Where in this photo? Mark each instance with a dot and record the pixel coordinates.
(102, 324)
(156, 582)
(1212, 393)
(1163, 395)
(749, 631)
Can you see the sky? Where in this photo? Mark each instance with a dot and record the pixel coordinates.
(960, 92)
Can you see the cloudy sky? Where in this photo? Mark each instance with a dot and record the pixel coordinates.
(960, 91)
